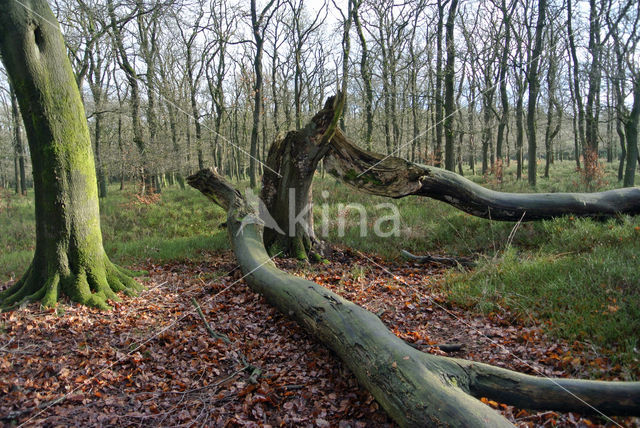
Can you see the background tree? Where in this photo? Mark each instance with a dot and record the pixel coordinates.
(533, 80)
(449, 80)
(259, 22)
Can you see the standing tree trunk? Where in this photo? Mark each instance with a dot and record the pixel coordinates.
(575, 86)
(258, 27)
(97, 76)
(438, 87)
(631, 132)
(502, 76)
(132, 79)
(102, 179)
(365, 73)
(69, 257)
(148, 38)
(19, 147)
(487, 109)
(449, 76)
(534, 87)
(550, 131)
(592, 107)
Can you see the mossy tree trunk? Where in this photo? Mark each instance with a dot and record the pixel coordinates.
(414, 388)
(287, 184)
(69, 257)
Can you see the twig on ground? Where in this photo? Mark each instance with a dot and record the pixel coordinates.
(211, 331)
(449, 261)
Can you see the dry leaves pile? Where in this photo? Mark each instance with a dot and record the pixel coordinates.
(151, 361)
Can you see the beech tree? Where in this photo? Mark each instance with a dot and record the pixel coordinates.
(69, 257)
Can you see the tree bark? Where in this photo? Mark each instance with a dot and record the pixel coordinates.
(365, 73)
(449, 76)
(414, 388)
(132, 79)
(592, 107)
(575, 85)
(258, 27)
(19, 146)
(287, 184)
(438, 86)
(631, 132)
(69, 257)
(534, 88)
(396, 178)
(487, 110)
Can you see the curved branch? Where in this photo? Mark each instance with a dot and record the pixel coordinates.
(396, 178)
(416, 389)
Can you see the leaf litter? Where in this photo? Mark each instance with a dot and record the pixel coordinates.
(151, 361)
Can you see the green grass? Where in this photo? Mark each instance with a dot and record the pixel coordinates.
(578, 278)
(181, 225)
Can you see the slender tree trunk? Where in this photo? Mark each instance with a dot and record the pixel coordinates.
(575, 85)
(449, 76)
(623, 149)
(365, 73)
(487, 131)
(550, 130)
(132, 79)
(471, 115)
(19, 146)
(592, 108)
(631, 132)
(534, 86)
(519, 136)
(16, 172)
(101, 176)
(259, 22)
(438, 88)
(121, 149)
(257, 107)
(502, 76)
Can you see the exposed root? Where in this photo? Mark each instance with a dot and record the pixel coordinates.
(93, 286)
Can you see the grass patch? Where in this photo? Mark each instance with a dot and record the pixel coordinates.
(180, 225)
(578, 277)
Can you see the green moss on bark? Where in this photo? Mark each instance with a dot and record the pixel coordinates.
(69, 257)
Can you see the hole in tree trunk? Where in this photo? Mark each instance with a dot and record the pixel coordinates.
(39, 37)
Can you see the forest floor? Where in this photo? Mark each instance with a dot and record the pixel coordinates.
(551, 298)
(151, 361)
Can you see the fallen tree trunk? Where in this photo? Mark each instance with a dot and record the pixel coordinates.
(414, 388)
(396, 178)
